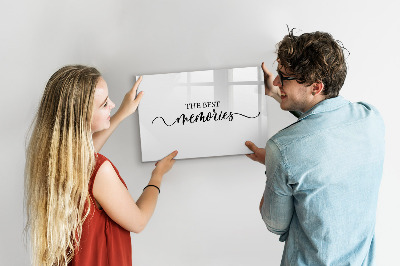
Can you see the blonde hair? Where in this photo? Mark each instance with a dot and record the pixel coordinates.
(59, 161)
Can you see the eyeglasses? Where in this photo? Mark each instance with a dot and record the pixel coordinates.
(282, 78)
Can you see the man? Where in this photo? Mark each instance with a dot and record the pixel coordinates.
(323, 171)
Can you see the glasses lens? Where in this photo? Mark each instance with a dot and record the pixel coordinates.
(280, 78)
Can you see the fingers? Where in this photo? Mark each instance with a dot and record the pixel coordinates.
(172, 154)
(136, 85)
(251, 146)
(265, 69)
(251, 156)
(132, 93)
(164, 165)
(263, 66)
(139, 97)
(169, 157)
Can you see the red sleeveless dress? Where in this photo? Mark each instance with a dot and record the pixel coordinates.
(103, 241)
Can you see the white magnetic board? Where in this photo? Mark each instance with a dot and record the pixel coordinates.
(202, 113)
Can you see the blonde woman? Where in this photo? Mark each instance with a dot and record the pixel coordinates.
(78, 207)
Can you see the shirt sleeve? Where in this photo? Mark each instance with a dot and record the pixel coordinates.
(277, 209)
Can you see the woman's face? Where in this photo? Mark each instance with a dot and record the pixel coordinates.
(102, 106)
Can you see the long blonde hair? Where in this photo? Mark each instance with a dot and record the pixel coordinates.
(59, 162)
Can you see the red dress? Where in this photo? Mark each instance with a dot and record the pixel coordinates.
(103, 241)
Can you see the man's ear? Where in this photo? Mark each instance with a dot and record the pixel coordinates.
(317, 88)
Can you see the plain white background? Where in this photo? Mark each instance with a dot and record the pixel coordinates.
(208, 208)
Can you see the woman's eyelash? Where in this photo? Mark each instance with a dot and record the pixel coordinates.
(105, 104)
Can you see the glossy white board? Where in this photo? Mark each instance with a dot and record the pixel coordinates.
(202, 113)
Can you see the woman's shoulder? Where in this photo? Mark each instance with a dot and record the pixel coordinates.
(99, 161)
(105, 167)
(102, 164)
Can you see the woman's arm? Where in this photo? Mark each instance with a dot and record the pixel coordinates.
(128, 107)
(116, 201)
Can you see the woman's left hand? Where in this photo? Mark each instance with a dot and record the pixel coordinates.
(131, 100)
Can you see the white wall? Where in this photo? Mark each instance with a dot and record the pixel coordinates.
(208, 208)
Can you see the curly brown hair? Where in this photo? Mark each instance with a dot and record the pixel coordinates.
(314, 57)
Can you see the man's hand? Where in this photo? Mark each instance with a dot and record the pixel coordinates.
(259, 153)
(270, 89)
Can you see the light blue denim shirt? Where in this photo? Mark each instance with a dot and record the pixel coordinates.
(323, 176)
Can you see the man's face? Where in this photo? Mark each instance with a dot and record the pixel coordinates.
(294, 96)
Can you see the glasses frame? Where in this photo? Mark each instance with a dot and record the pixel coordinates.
(282, 78)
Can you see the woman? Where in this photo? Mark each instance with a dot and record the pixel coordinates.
(78, 207)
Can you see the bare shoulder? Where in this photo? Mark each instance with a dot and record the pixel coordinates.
(106, 170)
(106, 180)
(114, 198)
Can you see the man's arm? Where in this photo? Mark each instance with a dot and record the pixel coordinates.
(128, 107)
(276, 206)
(261, 203)
(276, 211)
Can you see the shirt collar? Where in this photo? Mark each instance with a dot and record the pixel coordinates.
(325, 106)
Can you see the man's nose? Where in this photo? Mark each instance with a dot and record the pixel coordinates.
(277, 81)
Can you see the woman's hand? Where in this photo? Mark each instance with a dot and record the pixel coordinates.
(128, 107)
(270, 89)
(131, 101)
(164, 165)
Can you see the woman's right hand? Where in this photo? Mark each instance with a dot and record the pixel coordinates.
(131, 100)
(165, 164)
(270, 89)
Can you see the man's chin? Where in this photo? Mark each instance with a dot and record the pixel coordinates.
(285, 108)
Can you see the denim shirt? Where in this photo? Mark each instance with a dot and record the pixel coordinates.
(323, 176)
